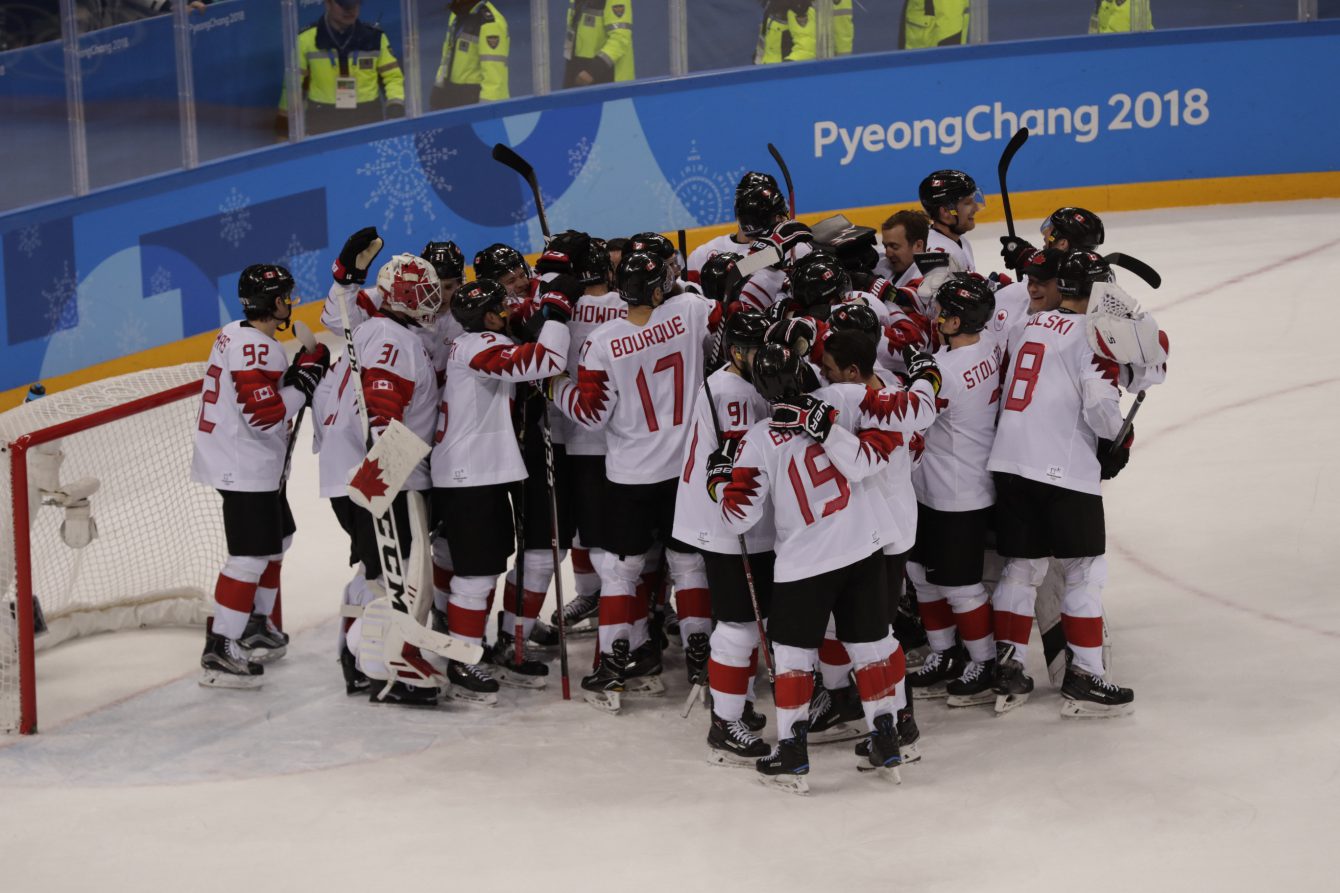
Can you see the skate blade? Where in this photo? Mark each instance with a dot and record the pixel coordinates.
(644, 687)
(694, 691)
(929, 692)
(911, 753)
(473, 698)
(583, 627)
(840, 732)
(726, 758)
(792, 784)
(267, 655)
(977, 700)
(606, 701)
(220, 679)
(1090, 710)
(519, 680)
(1006, 703)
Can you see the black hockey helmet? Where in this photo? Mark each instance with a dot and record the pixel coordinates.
(447, 260)
(969, 298)
(497, 260)
(654, 243)
(720, 277)
(854, 316)
(758, 209)
(946, 188)
(564, 252)
(1080, 227)
(1079, 271)
(1042, 264)
(475, 300)
(594, 266)
(819, 278)
(776, 372)
(752, 179)
(261, 287)
(746, 329)
(640, 275)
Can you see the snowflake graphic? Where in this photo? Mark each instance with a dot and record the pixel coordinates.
(579, 158)
(30, 239)
(131, 335)
(302, 263)
(160, 281)
(708, 195)
(236, 220)
(61, 302)
(405, 171)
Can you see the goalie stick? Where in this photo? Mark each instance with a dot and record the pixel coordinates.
(786, 175)
(1003, 167)
(1136, 266)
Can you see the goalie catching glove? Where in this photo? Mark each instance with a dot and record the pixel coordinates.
(805, 413)
(357, 255)
(720, 464)
(1120, 330)
(1112, 456)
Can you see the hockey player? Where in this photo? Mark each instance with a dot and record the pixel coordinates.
(1065, 229)
(1051, 452)
(241, 441)
(904, 236)
(828, 536)
(763, 216)
(951, 199)
(726, 407)
(635, 378)
(476, 461)
(736, 242)
(954, 499)
(504, 265)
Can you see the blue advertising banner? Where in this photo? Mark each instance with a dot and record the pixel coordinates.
(133, 267)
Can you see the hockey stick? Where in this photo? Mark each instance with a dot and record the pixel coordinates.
(507, 156)
(1136, 266)
(1011, 148)
(786, 175)
(308, 341)
(519, 520)
(553, 545)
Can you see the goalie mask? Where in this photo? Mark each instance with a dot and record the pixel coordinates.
(410, 288)
(1079, 227)
(777, 372)
(970, 299)
(447, 260)
(1078, 273)
(262, 288)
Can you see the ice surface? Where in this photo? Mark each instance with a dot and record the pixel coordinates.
(1224, 549)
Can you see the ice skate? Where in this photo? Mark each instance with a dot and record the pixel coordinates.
(1089, 696)
(731, 743)
(603, 689)
(263, 640)
(1013, 685)
(581, 615)
(787, 765)
(542, 637)
(529, 673)
(472, 684)
(355, 681)
(672, 625)
(880, 753)
(224, 665)
(931, 678)
(908, 735)
(835, 715)
(696, 653)
(402, 694)
(752, 719)
(642, 678)
(975, 686)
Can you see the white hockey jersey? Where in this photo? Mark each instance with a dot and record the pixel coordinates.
(761, 290)
(241, 435)
(591, 312)
(476, 439)
(1059, 399)
(636, 383)
(718, 245)
(1011, 313)
(952, 475)
(961, 250)
(697, 518)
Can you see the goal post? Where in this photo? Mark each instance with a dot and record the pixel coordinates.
(106, 530)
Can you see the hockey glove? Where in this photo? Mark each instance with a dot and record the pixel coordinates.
(921, 365)
(805, 413)
(559, 296)
(798, 333)
(1112, 456)
(720, 463)
(1015, 251)
(784, 237)
(306, 371)
(997, 281)
(357, 255)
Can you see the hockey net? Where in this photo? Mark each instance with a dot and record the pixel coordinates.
(159, 539)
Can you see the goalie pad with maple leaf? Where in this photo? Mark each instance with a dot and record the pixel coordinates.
(376, 480)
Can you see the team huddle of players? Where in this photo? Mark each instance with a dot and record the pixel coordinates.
(812, 445)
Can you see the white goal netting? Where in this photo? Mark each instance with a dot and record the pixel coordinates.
(159, 539)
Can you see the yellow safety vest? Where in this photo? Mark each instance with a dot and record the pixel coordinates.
(363, 53)
(844, 27)
(802, 33)
(601, 29)
(474, 54)
(1120, 16)
(933, 23)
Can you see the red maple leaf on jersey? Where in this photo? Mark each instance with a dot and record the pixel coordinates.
(592, 394)
(1107, 367)
(882, 404)
(875, 442)
(501, 359)
(916, 446)
(368, 480)
(741, 491)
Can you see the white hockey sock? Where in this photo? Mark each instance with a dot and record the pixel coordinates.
(729, 671)
(442, 573)
(584, 564)
(468, 606)
(619, 607)
(834, 661)
(1012, 602)
(1082, 611)
(794, 686)
(972, 616)
(235, 594)
(692, 602)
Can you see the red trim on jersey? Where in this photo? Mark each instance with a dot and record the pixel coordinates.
(832, 652)
(936, 615)
(879, 443)
(238, 595)
(793, 690)
(1083, 632)
(504, 358)
(387, 395)
(693, 603)
(974, 624)
(591, 396)
(916, 446)
(258, 393)
(364, 303)
(727, 679)
(741, 491)
(1108, 368)
(883, 404)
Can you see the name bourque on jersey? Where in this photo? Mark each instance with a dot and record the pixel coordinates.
(242, 433)
(697, 518)
(1059, 399)
(826, 516)
(475, 444)
(961, 250)
(636, 382)
(952, 475)
(591, 312)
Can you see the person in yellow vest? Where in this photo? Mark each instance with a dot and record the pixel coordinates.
(599, 45)
(789, 32)
(844, 27)
(474, 56)
(934, 23)
(346, 66)
(1120, 16)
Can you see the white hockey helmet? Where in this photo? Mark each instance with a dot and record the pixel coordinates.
(410, 287)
